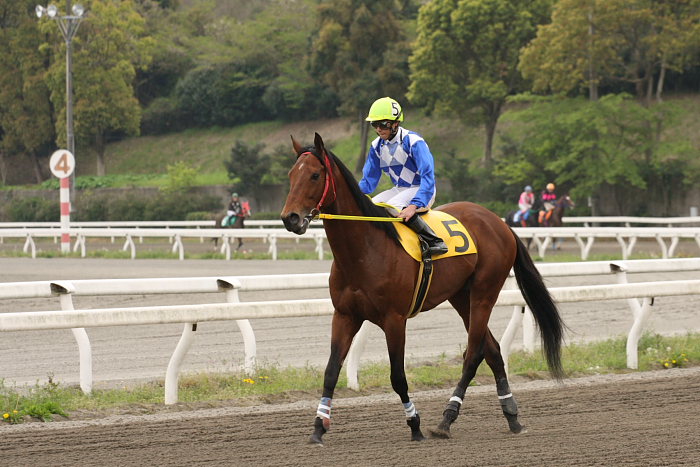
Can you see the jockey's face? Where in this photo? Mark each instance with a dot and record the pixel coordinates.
(385, 129)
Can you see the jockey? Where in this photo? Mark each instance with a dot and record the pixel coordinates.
(525, 202)
(405, 157)
(234, 207)
(548, 198)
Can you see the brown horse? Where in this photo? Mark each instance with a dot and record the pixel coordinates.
(372, 279)
(239, 223)
(555, 218)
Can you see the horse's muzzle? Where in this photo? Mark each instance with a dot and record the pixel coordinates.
(293, 222)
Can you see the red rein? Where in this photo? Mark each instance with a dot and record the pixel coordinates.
(330, 180)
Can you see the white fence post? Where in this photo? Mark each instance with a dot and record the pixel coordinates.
(508, 335)
(64, 290)
(249, 343)
(353, 359)
(640, 312)
(172, 374)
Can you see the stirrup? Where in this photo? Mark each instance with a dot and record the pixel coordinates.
(438, 248)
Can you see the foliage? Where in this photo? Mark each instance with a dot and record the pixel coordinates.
(40, 402)
(163, 115)
(585, 146)
(33, 209)
(465, 58)
(102, 205)
(599, 42)
(181, 177)
(90, 182)
(26, 120)
(360, 51)
(356, 52)
(246, 167)
(108, 49)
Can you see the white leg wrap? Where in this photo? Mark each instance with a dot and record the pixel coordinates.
(324, 408)
(506, 396)
(410, 409)
(456, 399)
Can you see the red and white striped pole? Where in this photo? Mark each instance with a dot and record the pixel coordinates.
(62, 164)
(65, 214)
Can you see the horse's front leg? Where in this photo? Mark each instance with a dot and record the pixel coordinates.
(395, 331)
(344, 328)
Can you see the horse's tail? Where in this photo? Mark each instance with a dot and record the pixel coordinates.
(542, 306)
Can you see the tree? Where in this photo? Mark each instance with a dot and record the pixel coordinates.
(613, 144)
(466, 56)
(109, 47)
(26, 122)
(360, 53)
(247, 167)
(594, 42)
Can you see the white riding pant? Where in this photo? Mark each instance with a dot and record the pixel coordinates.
(400, 197)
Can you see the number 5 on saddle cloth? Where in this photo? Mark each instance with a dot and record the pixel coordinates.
(454, 234)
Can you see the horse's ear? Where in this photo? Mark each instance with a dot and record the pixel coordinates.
(297, 146)
(318, 142)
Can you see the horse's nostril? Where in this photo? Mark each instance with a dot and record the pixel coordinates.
(291, 220)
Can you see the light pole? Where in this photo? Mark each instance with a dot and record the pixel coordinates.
(68, 25)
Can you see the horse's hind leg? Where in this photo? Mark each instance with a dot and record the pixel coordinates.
(475, 312)
(492, 353)
(490, 350)
(344, 328)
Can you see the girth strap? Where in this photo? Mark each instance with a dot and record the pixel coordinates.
(425, 275)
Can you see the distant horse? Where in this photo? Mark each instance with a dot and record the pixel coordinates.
(555, 217)
(531, 220)
(238, 223)
(561, 205)
(372, 279)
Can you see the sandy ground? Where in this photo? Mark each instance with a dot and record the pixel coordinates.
(642, 419)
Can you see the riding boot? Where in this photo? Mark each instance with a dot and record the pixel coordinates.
(435, 244)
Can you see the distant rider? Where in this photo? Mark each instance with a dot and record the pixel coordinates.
(525, 203)
(235, 209)
(548, 198)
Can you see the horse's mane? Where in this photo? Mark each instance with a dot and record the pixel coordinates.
(367, 207)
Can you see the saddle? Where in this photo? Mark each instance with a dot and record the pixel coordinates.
(228, 221)
(454, 234)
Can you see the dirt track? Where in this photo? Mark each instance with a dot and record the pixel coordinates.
(636, 419)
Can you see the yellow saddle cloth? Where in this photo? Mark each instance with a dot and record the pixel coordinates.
(445, 226)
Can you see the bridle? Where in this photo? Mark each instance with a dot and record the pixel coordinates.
(328, 186)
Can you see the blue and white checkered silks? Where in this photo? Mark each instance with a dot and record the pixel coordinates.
(409, 163)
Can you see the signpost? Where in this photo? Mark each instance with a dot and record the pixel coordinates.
(62, 165)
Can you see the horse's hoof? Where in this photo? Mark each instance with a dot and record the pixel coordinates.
(518, 430)
(440, 433)
(417, 437)
(315, 440)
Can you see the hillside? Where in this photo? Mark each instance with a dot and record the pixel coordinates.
(208, 148)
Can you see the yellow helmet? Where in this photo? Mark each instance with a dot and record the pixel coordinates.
(385, 108)
(550, 186)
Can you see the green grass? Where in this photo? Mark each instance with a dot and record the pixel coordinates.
(275, 384)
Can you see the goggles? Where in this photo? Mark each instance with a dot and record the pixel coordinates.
(382, 124)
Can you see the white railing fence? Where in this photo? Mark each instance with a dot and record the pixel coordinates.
(667, 238)
(276, 223)
(233, 309)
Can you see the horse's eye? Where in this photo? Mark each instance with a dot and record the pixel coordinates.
(315, 176)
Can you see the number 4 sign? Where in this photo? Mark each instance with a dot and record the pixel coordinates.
(62, 163)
